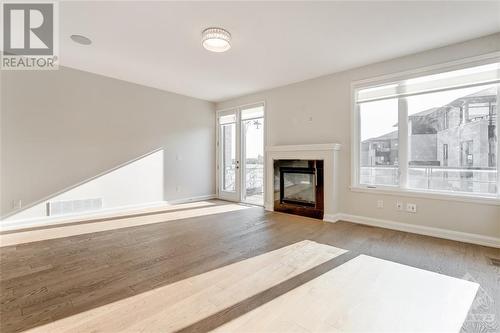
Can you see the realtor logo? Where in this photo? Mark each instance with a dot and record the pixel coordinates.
(29, 36)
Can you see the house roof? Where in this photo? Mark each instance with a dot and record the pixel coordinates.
(389, 136)
(426, 112)
(492, 91)
(482, 93)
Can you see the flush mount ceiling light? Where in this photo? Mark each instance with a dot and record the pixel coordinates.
(81, 39)
(216, 39)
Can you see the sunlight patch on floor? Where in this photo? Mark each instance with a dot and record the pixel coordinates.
(95, 216)
(178, 305)
(21, 237)
(365, 294)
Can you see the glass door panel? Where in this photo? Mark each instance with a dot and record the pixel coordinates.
(253, 155)
(229, 175)
(228, 141)
(241, 154)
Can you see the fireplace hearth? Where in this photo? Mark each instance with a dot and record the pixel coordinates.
(299, 187)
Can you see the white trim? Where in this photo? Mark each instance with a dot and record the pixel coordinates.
(112, 212)
(236, 194)
(244, 106)
(427, 70)
(237, 111)
(428, 194)
(54, 220)
(402, 189)
(423, 230)
(403, 142)
(191, 199)
(328, 152)
(332, 218)
(313, 147)
(448, 88)
(498, 143)
(355, 141)
(243, 152)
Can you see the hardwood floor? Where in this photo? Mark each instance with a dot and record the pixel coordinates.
(365, 294)
(50, 274)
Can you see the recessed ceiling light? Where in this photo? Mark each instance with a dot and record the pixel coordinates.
(216, 39)
(81, 39)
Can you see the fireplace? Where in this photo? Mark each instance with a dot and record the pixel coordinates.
(299, 187)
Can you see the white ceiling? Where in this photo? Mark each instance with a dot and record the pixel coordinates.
(158, 44)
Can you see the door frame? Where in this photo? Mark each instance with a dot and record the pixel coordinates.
(239, 150)
(225, 195)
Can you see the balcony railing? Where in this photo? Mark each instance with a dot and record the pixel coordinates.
(254, 178)
(473, 180)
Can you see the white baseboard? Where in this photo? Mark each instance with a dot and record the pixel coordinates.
(332, 218)
(422, 230)
(102, 213)
(53, 220)
(191, 199)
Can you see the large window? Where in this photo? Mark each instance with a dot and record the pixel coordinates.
(379, 162)
(430, 133)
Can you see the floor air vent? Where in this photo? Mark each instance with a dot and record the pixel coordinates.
(55, 208)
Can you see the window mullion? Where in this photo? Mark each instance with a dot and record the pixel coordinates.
(403, 142)
(497, 125)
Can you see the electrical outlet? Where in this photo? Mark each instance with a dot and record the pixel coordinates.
(399, 205)
(411, 207)
(177, 188)
(380, 203)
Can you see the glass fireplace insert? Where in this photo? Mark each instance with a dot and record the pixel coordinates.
(298, 186)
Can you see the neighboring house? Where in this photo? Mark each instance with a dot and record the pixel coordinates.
(382, 150)
(460, 134)
(443, 142)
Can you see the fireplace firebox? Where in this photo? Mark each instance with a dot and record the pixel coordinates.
(299, 187)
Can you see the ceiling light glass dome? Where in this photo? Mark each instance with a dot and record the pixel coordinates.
(216, 39)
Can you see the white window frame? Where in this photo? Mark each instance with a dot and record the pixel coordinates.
(401, 189)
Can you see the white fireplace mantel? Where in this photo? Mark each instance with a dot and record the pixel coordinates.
(319, 146)
(328, 152)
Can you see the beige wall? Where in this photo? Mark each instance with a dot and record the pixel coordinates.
(319, 110)
(60, 128)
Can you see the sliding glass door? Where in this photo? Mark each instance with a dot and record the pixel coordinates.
(241, 154)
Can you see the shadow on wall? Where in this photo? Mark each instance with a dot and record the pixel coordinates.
(135, 182)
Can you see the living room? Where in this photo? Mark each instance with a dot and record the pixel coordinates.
(250, 166)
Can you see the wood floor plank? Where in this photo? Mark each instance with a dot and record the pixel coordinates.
(365, 294)
(46, 280)
(180, 304)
